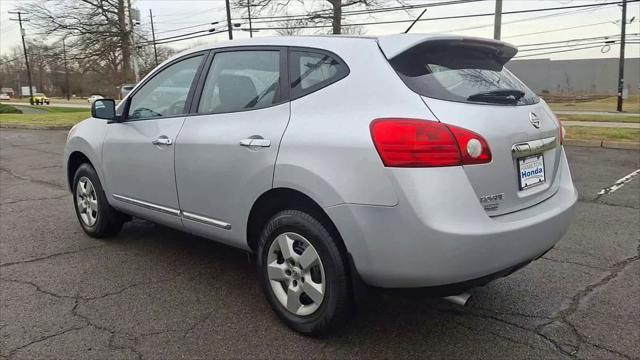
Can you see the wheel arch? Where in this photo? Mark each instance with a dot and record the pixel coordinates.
(76, 159)
(282, 198)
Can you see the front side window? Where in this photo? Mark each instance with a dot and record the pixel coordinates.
(311, 71)
(165, 95)
(241, 80)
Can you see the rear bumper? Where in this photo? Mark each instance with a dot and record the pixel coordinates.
(441, 235)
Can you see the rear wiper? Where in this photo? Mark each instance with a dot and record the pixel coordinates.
(502, 96)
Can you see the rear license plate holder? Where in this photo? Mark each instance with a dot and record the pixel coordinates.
(531, 171)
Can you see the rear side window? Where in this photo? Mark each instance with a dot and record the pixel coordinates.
(311, 71)
(462, 72)
(241, 80)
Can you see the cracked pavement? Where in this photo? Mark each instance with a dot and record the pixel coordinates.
(156, 293)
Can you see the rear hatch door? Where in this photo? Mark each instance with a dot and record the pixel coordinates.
(464, 83)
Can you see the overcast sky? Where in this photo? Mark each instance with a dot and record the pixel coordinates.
(592, 22)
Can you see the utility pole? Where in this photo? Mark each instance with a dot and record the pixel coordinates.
(229, 27)
(249, 15)
(24, 47)
(136, 68)
(623, 34)
(153, 36)
(66, 69)
(125, 41)
(497, 20)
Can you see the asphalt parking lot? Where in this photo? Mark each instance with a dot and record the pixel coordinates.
(156, 293)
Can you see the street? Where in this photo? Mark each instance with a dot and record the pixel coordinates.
(156, 293)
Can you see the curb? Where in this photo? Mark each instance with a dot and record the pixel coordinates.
(625, 145)
(584, 143)
(34, 127)
(621, 145)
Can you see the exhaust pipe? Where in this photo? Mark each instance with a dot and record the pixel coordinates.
(460, 299)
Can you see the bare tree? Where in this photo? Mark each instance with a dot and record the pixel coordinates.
(148, 60)
(290, 27)
(331, 11)
(354, 30)
(95, 30)
(337, 7)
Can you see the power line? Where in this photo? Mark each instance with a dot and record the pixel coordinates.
(562, 13)
(582, 39)
(602, 42)
(187, 38)
(562, 51)
(193, 37)
(186, 13)
(315, 14)
(159, 41)
(560, 29)
(185, 27)
(451, 17)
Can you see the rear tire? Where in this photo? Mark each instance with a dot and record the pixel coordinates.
(97, 218)
(303, 273)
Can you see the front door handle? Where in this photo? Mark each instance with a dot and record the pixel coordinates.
(162, 140)
(255, 141)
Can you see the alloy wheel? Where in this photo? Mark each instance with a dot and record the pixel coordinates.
(296, 274)
(87, 201)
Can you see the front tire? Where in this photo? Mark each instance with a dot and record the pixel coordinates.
(303, 273)
(97, 218)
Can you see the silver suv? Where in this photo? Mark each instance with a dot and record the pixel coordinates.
(397, 162)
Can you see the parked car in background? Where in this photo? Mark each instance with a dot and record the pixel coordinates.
(5, 97)
(93, 98)
(39, 99)
(400, 161)
(125, 89)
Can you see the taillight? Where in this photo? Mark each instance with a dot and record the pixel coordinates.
(424, 143)
(560, 128)
(473, 147)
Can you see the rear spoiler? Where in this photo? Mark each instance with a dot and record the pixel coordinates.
(394, 45)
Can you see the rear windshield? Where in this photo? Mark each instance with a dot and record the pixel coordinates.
(462, 72)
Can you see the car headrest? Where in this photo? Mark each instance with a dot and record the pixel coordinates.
(235, 91)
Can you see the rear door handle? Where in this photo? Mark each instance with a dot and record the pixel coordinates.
(162, 140)
(261, 142)
(255, 141)
(246, 142)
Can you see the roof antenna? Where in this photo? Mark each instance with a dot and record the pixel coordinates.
(415, 21)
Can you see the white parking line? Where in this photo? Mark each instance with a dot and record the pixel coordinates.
(620, 183)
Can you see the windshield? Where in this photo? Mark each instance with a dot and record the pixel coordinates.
(463, 73)
(38, 94)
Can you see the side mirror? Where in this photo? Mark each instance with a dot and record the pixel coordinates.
(104, 109)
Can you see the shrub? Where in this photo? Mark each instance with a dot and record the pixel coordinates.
(8, 109)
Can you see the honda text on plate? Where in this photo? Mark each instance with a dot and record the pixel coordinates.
(400, 161)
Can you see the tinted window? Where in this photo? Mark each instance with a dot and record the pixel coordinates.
(166, 93)
(463, 73)
(241, 80)
(311, 71)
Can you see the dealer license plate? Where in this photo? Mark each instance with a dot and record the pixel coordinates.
(531, 171)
